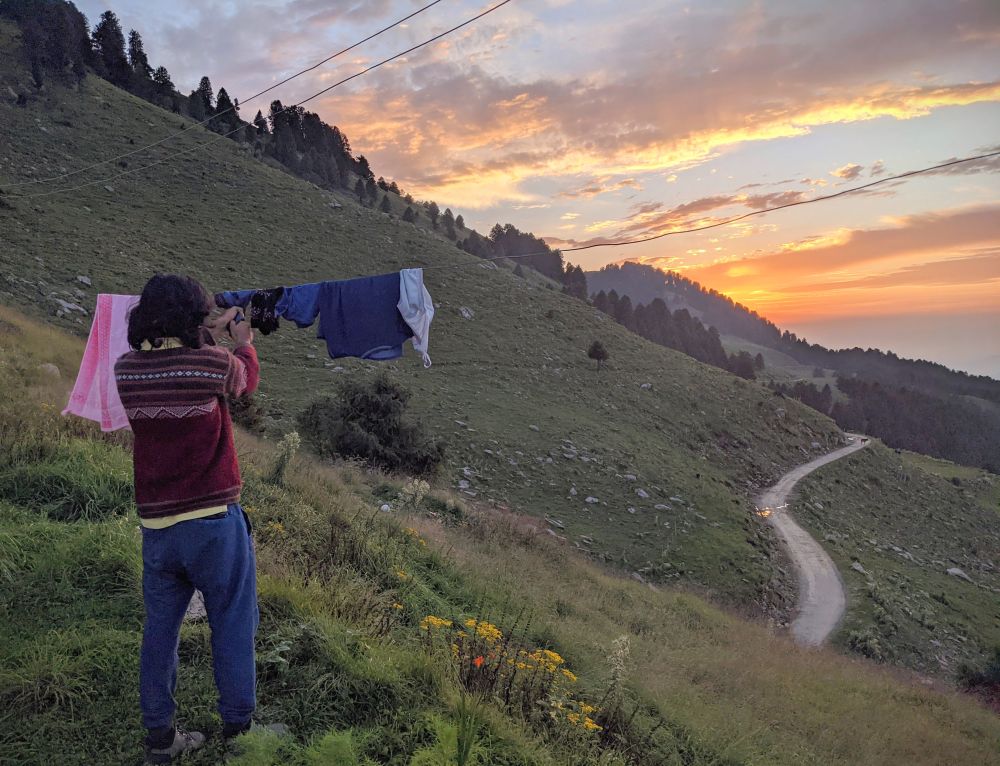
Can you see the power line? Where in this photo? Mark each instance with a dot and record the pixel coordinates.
(736, 218)
(232, 108)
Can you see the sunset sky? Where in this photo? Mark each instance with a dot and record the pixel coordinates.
(587, 120)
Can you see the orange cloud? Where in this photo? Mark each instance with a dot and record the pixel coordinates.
(947, 261)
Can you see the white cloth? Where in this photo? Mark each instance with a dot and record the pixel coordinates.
(417, 308)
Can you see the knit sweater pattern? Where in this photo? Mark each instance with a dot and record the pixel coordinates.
(184, 458)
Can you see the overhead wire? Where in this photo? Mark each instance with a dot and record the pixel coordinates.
(734, 219)
(315, 95)
(234, 108)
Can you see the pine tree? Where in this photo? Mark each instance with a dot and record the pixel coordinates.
(598, 353)
(162, 79)
(758, 362)
(137, 58)
(371, 189)
(261, 124)
(223, 104)
(359, 189)
(408, 215)
(448, 221)
(460, 222)
(109, 49)
(196, 107)
(394, 187)
(386, 206)
(204, 91)
(383, 184)
(433, 212)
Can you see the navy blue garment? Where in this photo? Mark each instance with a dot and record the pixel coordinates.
(359, 317)
(216, 556)
(300, 304)
(229, 298)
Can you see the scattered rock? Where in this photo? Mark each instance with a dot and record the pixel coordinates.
(646, 386)
(780, 412)
(591, 500)
(642, 493)
(856, 566)
(555, 523)
(464, 484)
(533, 427)
(50, 369)
(572, 491)
(67, 307)
(638, 577)
(466, 312)
(631, 510)
(816, 445)
(630, 477)
(956, 572)
(109, 188)
(386, 508)
(83, 280)
(663, 507)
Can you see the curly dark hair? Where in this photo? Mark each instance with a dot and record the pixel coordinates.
(171, 306)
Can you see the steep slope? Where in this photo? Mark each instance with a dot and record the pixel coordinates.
(528, 420)
(918, 552)
(341, 645)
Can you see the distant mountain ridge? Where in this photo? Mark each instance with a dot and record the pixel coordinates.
(949, 414)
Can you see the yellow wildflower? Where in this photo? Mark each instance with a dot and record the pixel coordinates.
(402, 575)
(397, 605)
(589, 725)
(569, 675)
(485, 630)
(431, 621)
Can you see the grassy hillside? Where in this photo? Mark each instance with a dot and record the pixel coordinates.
(341, 655)
(903, 605)
(778, 366)
(528, 420)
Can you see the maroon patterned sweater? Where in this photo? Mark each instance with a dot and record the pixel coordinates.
(175, 398)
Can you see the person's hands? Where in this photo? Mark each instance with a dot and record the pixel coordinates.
(241, 332)
(217, 324)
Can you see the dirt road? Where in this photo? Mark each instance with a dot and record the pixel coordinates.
(821, 593)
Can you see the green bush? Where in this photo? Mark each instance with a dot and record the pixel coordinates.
(366, 421)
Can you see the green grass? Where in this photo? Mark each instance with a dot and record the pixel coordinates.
(696, 433)
(779, 367)
(906, 608)
(350, 674)
(527, 419)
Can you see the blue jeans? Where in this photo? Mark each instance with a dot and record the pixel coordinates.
(216, 556)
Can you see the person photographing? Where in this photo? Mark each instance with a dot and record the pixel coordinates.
(174, 386)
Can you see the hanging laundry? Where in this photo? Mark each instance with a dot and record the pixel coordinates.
(229, 298)
(260, 306)
(368, 317)
(416, 308)
(300, 304)
(263, 315)
(95, 393)
(360, 317)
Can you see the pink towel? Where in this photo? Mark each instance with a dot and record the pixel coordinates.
(95, 393)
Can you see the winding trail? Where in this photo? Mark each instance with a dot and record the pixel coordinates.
(821, 593)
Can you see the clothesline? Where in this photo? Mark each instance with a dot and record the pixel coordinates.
(367, 317)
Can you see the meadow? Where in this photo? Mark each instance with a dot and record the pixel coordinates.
(349, 657)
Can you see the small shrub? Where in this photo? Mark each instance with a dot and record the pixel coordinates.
(367, 421)
(287, 448)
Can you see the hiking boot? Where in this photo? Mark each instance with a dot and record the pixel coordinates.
(167, 750)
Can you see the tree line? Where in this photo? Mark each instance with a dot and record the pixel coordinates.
(677, 330)
(906, 418)
(732, 318)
